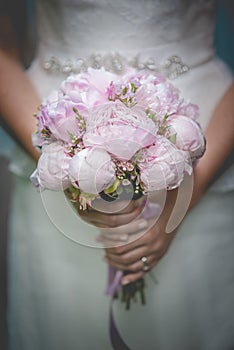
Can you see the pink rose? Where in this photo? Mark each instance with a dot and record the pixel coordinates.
(189, 136)
(163, 166)
(120, 130)
(53, 167)
(92, 170)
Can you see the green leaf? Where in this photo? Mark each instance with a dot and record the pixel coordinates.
(172, 138)
(125, 90)
(113, 187)
(165, 118)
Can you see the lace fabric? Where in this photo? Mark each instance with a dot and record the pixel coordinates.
(84, 27)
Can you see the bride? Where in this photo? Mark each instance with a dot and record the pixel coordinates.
(56, 287)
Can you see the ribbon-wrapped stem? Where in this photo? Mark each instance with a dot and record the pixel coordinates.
(132, 290)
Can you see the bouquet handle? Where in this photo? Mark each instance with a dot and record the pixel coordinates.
(112, 288)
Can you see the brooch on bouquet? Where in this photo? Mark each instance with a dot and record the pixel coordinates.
(104, 136)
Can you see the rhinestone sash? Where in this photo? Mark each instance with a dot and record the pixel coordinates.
(158, 59)
(172, 67)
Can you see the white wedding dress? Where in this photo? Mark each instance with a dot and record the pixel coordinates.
(56, 287)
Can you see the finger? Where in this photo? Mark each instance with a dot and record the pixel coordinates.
(117, 207)
(132, 261)
(132, 277)
(95, 218)
(120, 266)
(115, 220)
(129, 206)
(112, 220)
(121, 234)
(110, 238)
(131, 228)
(148, 237)
(138, 240)
(128, 258)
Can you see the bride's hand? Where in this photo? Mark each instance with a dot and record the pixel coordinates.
(113, 215)
(151, 244)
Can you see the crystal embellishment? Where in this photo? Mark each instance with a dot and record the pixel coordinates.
(173, 66)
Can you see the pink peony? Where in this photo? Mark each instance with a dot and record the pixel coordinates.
(43, 120)
(163, 166)
(59, 118)
(122, 131)
(90, 86)
(92, 170)
(188, 109)
(74, 85)
(156, 94)
(189, 136)
(160, 96)
(53, 167)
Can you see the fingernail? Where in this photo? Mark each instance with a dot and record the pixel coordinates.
(142, 224)
(123, 238)
(125, 282)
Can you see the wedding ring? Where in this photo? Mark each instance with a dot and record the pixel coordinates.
(145, 263)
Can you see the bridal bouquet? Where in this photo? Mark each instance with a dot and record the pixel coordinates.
(102, 135)
(99, 133)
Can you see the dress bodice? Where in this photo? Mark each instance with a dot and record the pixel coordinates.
(123, 25)
(71, 29)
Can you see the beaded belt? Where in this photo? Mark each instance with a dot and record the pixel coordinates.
(190, 53)
(116, 63)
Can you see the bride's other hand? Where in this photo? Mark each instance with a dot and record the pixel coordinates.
(151, 243)
(114, 215)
